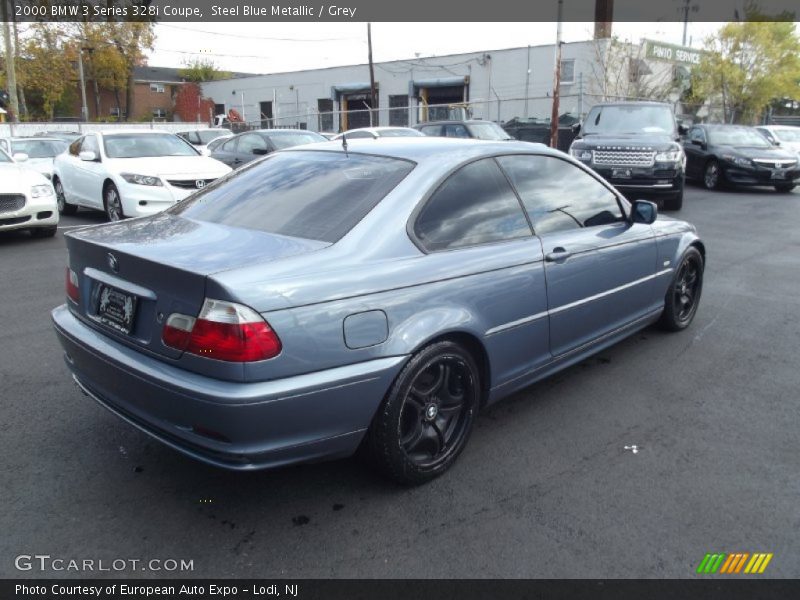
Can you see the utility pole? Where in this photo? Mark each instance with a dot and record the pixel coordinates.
(84, 107)
(685, 19)
(527, 81)
(11, 73)
(371, 74)
(556, 82)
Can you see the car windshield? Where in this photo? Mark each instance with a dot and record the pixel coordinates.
(787, 135)
(399, 133)
(289, 139)
(39, 148)
(138, 145)
(737, 136)
(488, 131)
(312, 195)
(206, 135)
(627, 118)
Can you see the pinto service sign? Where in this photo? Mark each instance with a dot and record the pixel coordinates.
(672, 53)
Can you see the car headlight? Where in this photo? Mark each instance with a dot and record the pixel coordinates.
(672, 156)
(141, 179)
(41, 191)
(581, 153)
(739, 161)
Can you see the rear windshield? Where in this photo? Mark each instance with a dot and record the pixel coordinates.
(488, 131)
(39, 148)
(312, 195)
(139, 145)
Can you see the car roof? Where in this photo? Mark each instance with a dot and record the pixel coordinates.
(38, 138)
(453, 121)
(725, 126)
(634, 103)
(424, 148)
(130, 131)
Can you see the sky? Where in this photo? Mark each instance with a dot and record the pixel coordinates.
(258, 47)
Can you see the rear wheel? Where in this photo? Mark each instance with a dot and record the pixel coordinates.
(712, 176)
(63, 206)
(426, 418)
(683, 295)
(784, 188)
(113, 203)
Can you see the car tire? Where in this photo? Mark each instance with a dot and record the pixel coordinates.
(112, 202)
(64, 207)
(44, 232)
(426, 418)
(683, 294)
(784, 188)
(712, 175)
(674, 202)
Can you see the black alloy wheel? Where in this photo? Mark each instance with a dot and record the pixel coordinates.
(427, 416)
(712, 175)
(683, 295)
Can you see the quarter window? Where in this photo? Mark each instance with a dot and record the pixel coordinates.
(560, 196)
(475, 205)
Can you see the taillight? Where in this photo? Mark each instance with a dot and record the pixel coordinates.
(223, 331)
(73, 291)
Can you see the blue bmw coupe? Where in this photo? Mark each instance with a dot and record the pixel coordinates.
(371, 296)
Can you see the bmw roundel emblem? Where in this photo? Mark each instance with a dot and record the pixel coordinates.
(200, 184)
(113, 263)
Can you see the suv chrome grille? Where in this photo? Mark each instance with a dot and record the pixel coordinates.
(11, 202)
(624, 158)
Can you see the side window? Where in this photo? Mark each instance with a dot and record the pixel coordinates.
(75, 147)
(230, 145)
(90, 145)
(475, 205)
(457, 131)
(434, 130)
(251, 142)
(560, 196)
(696, 135)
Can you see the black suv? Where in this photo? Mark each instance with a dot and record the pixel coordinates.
(636, 147)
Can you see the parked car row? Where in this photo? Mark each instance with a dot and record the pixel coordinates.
(27, 199)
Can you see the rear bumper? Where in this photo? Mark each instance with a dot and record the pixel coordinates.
(238, 426)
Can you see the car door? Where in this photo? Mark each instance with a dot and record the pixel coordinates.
(474, 218)
(695, 148)
(227, 152)
(251, 146)
(600, 268)
(89, 175)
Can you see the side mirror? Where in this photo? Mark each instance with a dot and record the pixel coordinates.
(683, 129)
(576, 128)
(20, 157)
(700, 143)
(643, 211)
(87, 155)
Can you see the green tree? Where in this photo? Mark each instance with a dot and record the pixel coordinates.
(131, 41)
(46, 67)
(747, 66)
(199, 70)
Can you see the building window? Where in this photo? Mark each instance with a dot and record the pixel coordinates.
(568, 71)
(398, 111)
(325, 108)
(159, 113)
(115, 112)
(157, 87)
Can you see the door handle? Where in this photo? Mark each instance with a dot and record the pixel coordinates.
(558, 254)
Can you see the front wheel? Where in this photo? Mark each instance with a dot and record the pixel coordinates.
(64, 207)
(426, 418)
(683, 295)
(784, 188)
(674, 202)
(712, 176)
(113, 203)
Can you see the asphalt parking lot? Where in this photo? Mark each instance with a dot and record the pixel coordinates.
(545, 488)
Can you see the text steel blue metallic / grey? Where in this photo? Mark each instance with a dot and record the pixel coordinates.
(371, 297)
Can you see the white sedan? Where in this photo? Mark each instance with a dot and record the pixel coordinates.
(130, 173)
(27, 200)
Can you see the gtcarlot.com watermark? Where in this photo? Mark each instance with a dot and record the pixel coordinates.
(47, 563)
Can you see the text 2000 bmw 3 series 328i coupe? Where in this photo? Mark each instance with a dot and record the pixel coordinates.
(375, 296)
